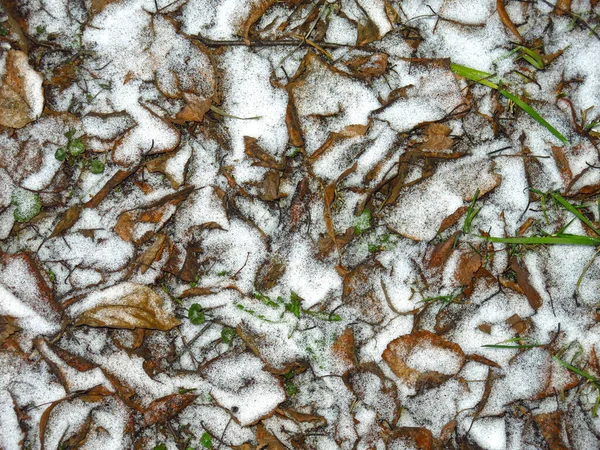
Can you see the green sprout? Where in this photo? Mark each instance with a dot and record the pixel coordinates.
(96, 166)
(196, 315)
(227, 335)
(28, 205)
(362, 222)
(60, 154)
(206, 440)
(76, 147)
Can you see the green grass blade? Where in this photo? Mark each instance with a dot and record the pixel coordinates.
(474, 75)
(569, 207)
(534, 114)
(483, 78)
(565, 239)
(579, 372)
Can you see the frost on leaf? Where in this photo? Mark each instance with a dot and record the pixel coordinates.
(21, 95)
(126, 305)
(423, 359)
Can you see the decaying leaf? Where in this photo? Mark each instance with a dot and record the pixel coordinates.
(266, 440)
(368, 67)
(437, 137)
(164, 409)
(343, 348)
(126, 305)
(407, 356)
(410, 437)
(21, 95)
(550, 424)
(259, 156)
(8, 327)
(522, 274)
(442, 251)
(506, 20)
(367, 32)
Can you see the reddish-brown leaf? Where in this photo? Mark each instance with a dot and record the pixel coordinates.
(506, 20)
(533, 297)
(400, 350)
(165, 408)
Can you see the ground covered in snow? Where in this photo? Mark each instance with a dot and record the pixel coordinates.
(299, 224)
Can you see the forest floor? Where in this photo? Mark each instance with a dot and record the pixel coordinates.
(299, 224)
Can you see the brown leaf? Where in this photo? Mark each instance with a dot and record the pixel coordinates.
(506, 20)
(317, 421)
(96, 6)
(350, 131)
(152, 253)
(361, 290)
(468, 265)
(8, 327)
(259, 156)
(533, 297)
(115, 180)
(562, 164)
(270, 186)
(368, 67)
(399, 352)
(452, 219)
(161, 164)
(550, 424)
(20, 92)
(126, 305)
(269, 274)
(343, 348)
(68, 220)
(165, 408)
(367, 32)
(563, 7)
(437, 137)
(410, 437)
(292, 122)
(195, 108)
(442, 251)
(266, 440)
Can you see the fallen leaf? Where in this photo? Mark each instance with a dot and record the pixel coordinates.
(563, 7)
(506, 20)
(368, 67)
(437, 137)
(343, 348)
(550, 424)
(367, 32)
(259, 156)
(8, 327)
(423, 345)
(410, 437)
(266, 440)
(21, 95)
(522, 274)
(442, 251)
(125, 305)
(165, 408)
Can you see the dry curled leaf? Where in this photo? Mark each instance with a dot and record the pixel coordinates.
(407, 356)
(126, 305)
(506, 20)
(21, 95)
(163, 409)
(437, 137)
(367, 67)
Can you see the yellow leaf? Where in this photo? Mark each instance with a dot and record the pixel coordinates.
(126, 305)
